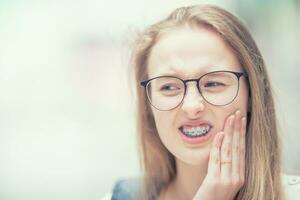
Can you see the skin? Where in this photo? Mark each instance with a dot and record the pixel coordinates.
(189, 52)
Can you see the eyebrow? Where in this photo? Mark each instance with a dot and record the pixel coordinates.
(171, 73)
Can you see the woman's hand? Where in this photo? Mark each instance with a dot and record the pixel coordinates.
(226, 167)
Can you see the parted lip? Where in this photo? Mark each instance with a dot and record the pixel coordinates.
(195, 123)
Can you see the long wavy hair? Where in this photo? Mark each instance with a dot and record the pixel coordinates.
(263, 152)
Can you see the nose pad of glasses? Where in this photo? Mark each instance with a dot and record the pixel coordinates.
(193, 100)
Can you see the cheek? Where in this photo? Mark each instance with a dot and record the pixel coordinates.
(166, 129)
(163, 121)
(240, 103)
(242, 99)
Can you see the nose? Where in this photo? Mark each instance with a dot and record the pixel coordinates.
(193, 102)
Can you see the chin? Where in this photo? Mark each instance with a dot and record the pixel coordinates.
(198, 157)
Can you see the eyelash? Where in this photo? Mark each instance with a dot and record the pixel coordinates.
(167, 87)
(214, 84)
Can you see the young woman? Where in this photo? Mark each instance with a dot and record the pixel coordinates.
(206, 122)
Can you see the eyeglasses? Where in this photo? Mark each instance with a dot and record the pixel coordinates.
(218, 88)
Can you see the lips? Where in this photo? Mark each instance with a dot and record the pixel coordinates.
(195, 132)
(195, 124)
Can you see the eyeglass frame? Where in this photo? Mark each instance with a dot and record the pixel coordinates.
(237, 74)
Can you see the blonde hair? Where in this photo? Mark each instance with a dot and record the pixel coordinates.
(263, 166)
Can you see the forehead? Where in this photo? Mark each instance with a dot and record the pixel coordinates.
(189, 52)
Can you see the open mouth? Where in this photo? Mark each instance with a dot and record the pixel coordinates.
(195, 131)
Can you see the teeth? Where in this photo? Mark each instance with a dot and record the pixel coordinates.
(196, 131)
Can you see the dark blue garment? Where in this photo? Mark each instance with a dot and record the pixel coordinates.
(127, 190)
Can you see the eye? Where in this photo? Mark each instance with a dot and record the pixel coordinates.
(169, 87)
(213, 84)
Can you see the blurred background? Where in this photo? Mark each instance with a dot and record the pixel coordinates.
(67, 113)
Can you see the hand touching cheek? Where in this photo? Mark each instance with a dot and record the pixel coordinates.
(226, 167)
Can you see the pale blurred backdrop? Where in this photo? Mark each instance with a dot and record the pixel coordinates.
(67, 114)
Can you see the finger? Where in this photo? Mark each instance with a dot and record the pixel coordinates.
(226, 148)
(214, 159)
(243, 149)
(236, 147)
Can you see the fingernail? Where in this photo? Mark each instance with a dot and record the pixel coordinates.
(221, 135)
(231, 120)
(244, 122)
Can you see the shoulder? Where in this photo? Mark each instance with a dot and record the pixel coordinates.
(128, 189)
(291, 184)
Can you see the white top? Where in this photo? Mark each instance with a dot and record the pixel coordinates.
(107, 196)
(291, 185)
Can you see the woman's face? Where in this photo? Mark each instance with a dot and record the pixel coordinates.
(188, 53)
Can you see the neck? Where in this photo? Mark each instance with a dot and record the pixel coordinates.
(188, 180)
